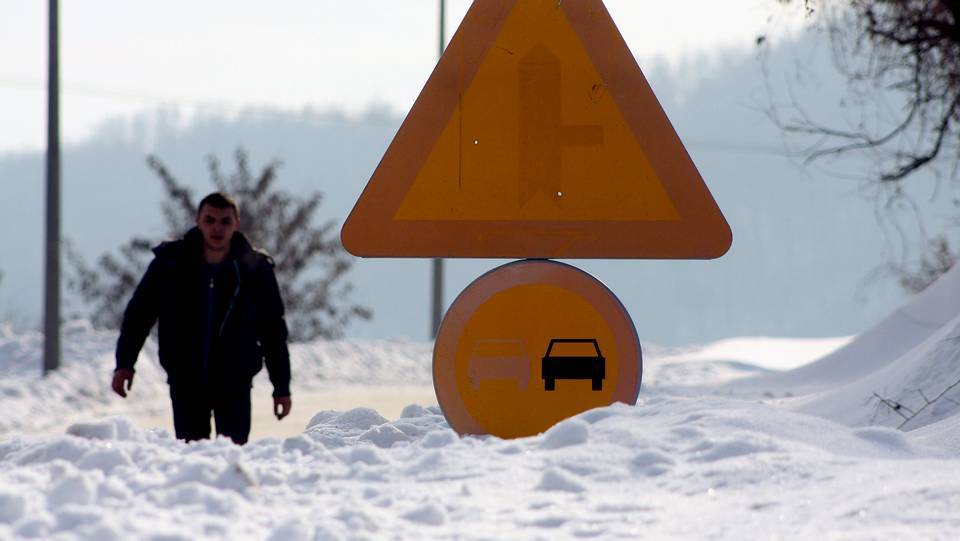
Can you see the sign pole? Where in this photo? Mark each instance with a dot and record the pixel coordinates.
(437, 309)
(51, 347)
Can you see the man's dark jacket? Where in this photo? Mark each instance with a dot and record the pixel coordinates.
(218, 327)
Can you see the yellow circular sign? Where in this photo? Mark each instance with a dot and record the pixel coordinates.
(529, 344)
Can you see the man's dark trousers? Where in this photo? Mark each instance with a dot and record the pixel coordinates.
(194, 401)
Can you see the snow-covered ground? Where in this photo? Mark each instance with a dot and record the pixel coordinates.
(746, 438)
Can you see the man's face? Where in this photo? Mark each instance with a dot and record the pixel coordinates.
(217, 226)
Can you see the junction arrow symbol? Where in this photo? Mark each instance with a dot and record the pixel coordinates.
(542, 132)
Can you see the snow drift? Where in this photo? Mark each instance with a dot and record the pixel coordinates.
(904, 372)
(885, 343)
(671, 468)
(80, 388)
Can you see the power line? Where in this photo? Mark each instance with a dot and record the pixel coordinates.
(734, 147)
(200, 104)
(271, 111)
(128, 94)
(98, 91)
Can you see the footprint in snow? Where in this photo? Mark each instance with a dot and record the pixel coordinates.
(651, 463)
(430, 514)
(555, 481)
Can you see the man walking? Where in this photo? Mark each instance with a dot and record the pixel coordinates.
(220, 318)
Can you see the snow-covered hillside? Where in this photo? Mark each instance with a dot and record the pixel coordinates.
(887, 375)
(742, 439)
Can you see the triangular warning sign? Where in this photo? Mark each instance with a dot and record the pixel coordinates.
(537, 136)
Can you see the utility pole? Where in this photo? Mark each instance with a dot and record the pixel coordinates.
(51, 326)
(438, 263)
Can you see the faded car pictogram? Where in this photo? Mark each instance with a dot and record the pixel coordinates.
(499, 360)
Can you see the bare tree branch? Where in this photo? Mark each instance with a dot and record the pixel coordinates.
(929, 403)
(910, 414)
(895, 406)
(900, 52)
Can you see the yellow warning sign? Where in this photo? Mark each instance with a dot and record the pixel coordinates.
(529, 344)
(537, 136)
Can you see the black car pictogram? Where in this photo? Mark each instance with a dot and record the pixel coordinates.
(591, 367)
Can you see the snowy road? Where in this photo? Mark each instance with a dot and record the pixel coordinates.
(388, 400)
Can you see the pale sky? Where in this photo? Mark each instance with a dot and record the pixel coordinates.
(119, 57)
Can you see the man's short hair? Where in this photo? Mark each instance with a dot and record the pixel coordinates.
(219, 200)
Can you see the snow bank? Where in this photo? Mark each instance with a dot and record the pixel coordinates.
(80, 389)
(702, 367)
(944, 434)
(898, 393)
(904, 372)
(671, 468)
(761, 352)
(907, 327)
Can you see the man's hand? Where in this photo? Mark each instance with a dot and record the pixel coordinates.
(281, 406)
(120, 376)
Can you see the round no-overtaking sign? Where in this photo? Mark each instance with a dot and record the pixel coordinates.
(531, 343)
